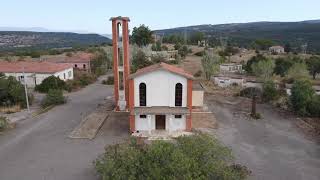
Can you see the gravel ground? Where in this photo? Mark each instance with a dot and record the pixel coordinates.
(273, 147)
(39, 148)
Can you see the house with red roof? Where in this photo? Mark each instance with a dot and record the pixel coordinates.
(79, 60)
(33, 73)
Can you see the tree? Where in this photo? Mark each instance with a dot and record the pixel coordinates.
(210, 64)
(262, 44)
(50, 82)
(189, 157)
(287, 48)
(269, 91)
(141, 35)
(254, 59)
(282, 66)
(263, 69)
(314, 66)
(11, 92)
(298, 71)
(139, 60)
(301, 96)
(195, 37)
(157, 46)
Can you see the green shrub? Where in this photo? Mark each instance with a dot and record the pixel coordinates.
(198, 73)
(86, 79)
(250, 92)
(189, 157)
(3, 123)
(256, 116)
(201, 53)
(109, 81)
(301, 95)
(11, 92)
(51, 82)
(269, 91)
(314, 106)
(54, 97)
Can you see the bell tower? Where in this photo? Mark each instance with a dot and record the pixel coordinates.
(121, 66)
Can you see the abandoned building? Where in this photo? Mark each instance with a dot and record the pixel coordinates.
(230, 68)
(79, 61)
(33, 73)
(276, 50)
(157, 97)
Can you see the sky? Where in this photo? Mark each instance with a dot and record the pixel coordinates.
(93, 15)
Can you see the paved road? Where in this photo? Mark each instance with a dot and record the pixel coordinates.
(39, 149)
(273, 147)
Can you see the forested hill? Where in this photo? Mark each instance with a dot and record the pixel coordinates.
(11, 40)
(243, 34)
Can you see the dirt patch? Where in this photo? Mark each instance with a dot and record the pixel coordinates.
(90, 125)
(204, 120)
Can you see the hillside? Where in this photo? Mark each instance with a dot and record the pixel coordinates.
(12, 40)
(243, 34)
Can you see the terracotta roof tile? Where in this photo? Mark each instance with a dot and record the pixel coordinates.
(32, 67)
(162, 66)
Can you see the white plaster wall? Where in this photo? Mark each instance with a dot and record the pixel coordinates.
(173, 124)
(160, 88)
(66, 72)
(33, 79)
(145, 124)
(149, 123)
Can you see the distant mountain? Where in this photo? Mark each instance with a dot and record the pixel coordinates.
(107, 35)
(243, 34)
(11, 40)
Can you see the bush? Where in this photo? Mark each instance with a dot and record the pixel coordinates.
(189, 157)
(269, 91)
(3, 123)
(54, 97)
(51, 82)
(314, 106)
(250, 92)
(301, 95)
(11, 92)
(109, 81)
(198, 73)
(201, 53)
(81, 80)
(256, 116)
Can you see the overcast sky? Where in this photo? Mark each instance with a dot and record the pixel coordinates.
(93, 15)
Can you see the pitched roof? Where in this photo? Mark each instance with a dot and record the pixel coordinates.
(32, 67)
(162, 66)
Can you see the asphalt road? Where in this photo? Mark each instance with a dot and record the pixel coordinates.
(39, 148)
(272, 147)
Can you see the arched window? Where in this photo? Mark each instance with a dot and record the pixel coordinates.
(143, 94)
(178, 99)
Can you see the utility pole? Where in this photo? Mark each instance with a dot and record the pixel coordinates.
(25, 89)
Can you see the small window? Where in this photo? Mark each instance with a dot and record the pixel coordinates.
(178, 116)
(64, 75)
(84, 66)
(143, 116)
(76, 65)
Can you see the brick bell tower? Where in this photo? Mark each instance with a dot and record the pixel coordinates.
(121, 66)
